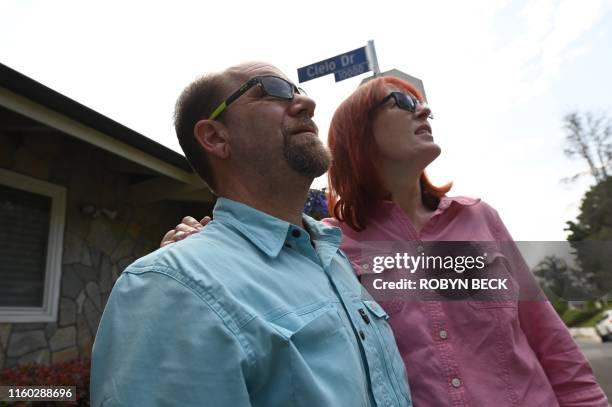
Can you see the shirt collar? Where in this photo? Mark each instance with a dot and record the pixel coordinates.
(267, 232)
(445, 203)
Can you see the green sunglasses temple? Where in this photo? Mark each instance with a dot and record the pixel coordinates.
(248, 85)
(218, 111)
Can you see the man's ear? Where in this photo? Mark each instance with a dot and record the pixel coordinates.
(212, 136)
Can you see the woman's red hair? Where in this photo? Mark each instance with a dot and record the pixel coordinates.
(355, 187)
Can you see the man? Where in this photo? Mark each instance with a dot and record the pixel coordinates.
(260, 308)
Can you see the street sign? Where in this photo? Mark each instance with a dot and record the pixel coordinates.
(351, 71)
(343, 66)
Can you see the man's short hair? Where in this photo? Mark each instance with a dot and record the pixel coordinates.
(196, 102)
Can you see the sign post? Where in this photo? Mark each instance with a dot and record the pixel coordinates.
(354, 63)
(372, 58)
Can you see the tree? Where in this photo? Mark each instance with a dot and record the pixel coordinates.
(588, 136)
(553, 275)
(591, 238)
(594, 222)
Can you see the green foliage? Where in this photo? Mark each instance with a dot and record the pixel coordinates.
(560, 306)
(576, 317)
(591, 237)
(588, 137)
(595, 219)
(554, 276)
(595, 318)
(584, 317)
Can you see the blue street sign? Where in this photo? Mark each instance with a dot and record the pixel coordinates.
(343, 66)
(351, 71)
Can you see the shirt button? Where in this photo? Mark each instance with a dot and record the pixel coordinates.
(295, 233)
(443, 334)
(362, 335)
(456, 382)
(420, 249)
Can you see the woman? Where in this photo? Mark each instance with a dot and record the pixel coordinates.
(457, 353)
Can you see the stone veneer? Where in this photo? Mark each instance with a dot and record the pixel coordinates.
(88, 274)
(96, 250)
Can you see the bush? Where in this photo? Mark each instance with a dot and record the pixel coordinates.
(560, 306)
(577, 317)
(74, 373)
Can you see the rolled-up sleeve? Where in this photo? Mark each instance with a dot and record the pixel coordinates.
(566, 367)
(160, 344)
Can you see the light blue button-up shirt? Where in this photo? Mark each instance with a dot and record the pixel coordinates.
(252, 310)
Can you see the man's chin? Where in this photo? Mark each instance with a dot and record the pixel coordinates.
(310, 162)
(309, 169)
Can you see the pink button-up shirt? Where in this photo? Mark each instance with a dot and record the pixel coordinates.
(472, 353)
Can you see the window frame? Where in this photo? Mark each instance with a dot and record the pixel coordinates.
(55, 245)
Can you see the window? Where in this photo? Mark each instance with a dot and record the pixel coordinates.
(31, 241)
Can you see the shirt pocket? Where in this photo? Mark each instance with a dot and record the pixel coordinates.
(391, 355)
(322, 357)
(495, 318)
(505, 293)
(291, 323)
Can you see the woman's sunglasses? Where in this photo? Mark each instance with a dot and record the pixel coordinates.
(404, 101)
(270, 85)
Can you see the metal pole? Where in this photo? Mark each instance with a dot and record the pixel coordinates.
(373, 59)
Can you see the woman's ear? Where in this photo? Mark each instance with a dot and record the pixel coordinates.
(212, 136)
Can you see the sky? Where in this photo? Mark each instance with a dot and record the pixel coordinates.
(499, 75)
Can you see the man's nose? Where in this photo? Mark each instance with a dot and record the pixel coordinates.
(302, 106)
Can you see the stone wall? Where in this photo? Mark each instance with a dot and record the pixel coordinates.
(96, 249)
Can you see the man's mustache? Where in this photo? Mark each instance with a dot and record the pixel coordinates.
(304, 125)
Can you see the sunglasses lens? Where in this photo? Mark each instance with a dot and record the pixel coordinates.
(405, 101)
(277, 87)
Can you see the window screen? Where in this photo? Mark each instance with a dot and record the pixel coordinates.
(24, 233)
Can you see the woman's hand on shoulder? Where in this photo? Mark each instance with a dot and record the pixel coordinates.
(187, 227)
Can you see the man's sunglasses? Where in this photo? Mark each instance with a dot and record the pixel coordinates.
(270, 85)
(404, 101)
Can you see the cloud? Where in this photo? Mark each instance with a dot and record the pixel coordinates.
(552, 37)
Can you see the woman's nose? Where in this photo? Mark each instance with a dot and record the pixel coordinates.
(423, 110)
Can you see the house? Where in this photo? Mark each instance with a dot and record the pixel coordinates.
(81, 197)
